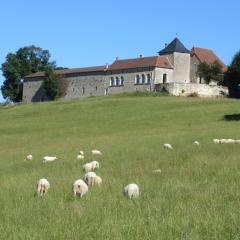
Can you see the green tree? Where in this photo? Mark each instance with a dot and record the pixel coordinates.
(232, 77)
(51, 84)
(25, 61)
(210, 72)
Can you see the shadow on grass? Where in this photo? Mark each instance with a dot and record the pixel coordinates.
(232, 117)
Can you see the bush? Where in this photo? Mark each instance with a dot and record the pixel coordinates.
(193, 94)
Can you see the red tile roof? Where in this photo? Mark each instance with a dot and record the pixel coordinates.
(207, 56)
(141, 62)
(69, 71)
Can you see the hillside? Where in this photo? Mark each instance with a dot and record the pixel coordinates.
(195, 197)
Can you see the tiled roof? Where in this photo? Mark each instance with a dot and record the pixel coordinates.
(69, 71)
(141, 62)
(207, 56)
(175, 46)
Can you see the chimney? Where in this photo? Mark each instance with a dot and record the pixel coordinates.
(117, 58)
(141, 56)
(106, 67)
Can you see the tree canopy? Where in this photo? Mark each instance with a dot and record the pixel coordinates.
(232, 77)
(210, 72)
(23, 62)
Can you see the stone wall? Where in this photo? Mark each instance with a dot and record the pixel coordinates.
(202, 90)
(159, 72)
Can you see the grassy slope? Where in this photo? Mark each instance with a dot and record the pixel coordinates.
(195, 197)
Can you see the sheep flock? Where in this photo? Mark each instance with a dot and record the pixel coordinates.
(81, 186)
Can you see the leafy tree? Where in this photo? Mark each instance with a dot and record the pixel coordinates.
(210, 72)
(232, 77)
(51, 84)
(25, 61)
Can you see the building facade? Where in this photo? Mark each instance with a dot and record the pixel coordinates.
(173, 66)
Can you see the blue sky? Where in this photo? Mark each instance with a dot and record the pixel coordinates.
(87, 33)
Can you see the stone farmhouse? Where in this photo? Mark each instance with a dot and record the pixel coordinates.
(175, 68)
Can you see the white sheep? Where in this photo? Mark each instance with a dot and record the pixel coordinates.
(80, 188)
(131, 191)
(29, 157)
(88, 177)
(98, 181)
(49, 158)
(196, 143)
(81, 152)
(95, 165)
(87, 167)
(96, 152)
(157, 171)
(237, 141)
(79, 156)
(167, 146)
(217, 141)
(42, 186)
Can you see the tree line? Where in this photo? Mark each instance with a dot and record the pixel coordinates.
(32, 59)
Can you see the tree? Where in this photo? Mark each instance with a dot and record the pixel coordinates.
(25, 61)
(51, 84)
(232, 77)
(210, 72)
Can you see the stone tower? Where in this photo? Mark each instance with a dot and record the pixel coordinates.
(179, 56)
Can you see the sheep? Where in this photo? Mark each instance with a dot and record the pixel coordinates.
(80, 188)
(196, 143)
(237, 141)
(131, 191)
(98, 181)
(87, 167)
(157, 171)
(95, 164)
(167, 146)
(42, 187)
(28, 157)
(88, 177)
(217, 141)
(96, 152)
(81, 152)
(79, 156)
(49, 159)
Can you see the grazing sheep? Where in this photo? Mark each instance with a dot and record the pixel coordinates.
(80, 188)
(196, 143)
(217, 141)
(88, 178)
(167, 146)
(49, 159)
(79, 156)
(131, 191)
(29, 157)
(157, 171)
(81, 152)
(96, 152)
(42, 187)
(95, 164)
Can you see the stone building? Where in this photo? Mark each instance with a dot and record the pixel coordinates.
(174, 66)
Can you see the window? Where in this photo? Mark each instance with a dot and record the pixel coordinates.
(137, 80)
(83, 91)
(122, 80)
(148, 78)
(96, 88)
(112, 81)
(117, 81)
(143, 78)
(164, 78)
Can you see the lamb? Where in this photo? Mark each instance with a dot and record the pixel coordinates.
(79, 156)
(196, 143)
(28, 157)
(167, 146)
(90, 166)
(88, 178)
(131, 191)
(157, 171)
(80, 188)
(96, 152)
(42, 187)
(49, 159)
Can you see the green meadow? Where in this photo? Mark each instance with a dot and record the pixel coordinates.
(196, 196)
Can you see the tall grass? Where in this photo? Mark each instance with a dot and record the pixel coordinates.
(196, 196)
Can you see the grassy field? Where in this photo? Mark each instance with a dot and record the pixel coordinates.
(197, 195)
